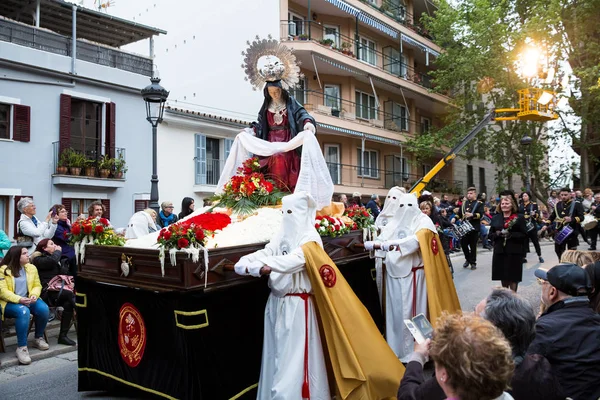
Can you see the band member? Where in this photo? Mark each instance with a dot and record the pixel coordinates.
(567, 212)
(595, 211)
(530, 211)
(471, 211)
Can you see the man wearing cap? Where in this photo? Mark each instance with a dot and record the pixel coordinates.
(568, 333)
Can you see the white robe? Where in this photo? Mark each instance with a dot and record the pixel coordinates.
(282, 367)
(399, 286)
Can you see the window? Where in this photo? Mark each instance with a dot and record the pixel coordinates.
(425, 125)
(332, 96)
(295, 24)
(396, 171)
(5, 121)
(140, 205)
(14, 121)
(77, 207)
(208, 160)
(400, 116)
(470, 176)
(86, 127)
(482, 188)
(426, 169)
(394, 62)
(369, 169)
(332, 158)
(367, 51)
(4, 214)
(299, 92)
(365, 106)
(333, 33)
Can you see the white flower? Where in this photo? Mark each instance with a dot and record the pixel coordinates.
(324, 222)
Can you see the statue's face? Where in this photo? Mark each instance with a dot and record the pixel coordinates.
(274, 92)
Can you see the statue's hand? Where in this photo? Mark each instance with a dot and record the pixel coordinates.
(310, 127)
(250, 131)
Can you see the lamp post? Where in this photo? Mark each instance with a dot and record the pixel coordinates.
(155, 97)
(525, 142)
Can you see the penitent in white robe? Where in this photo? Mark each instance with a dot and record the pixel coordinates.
(282, 367)
(402, 285)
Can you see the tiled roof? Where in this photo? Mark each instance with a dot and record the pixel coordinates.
(206, 115)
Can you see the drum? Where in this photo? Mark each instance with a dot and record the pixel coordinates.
(563, 234)
(460, 230)
(589, 222)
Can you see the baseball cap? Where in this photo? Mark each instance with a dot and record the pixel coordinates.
(570, 279)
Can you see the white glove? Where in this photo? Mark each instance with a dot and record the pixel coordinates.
(388, 244)
(254, 268)
(310, 127)
(240, 267)
(250, 131)
(370, 245)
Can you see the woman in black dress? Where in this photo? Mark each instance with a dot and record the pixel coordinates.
(509, 234)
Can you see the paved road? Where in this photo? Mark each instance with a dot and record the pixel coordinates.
(56, 378)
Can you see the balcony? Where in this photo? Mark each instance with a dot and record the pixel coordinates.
(90, 168)
(398, 13)
(389, 61)
(353, 176)
(390, 115)
(44, 40)
(207, 174)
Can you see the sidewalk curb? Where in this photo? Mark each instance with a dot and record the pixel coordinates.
(51, 352)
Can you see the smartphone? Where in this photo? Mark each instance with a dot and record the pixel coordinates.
(420, 328)
(54, 211)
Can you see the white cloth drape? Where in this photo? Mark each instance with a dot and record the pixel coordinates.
(314, 175)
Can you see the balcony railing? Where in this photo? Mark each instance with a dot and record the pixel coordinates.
(373, 178)
(208, 171)
(398, 12)
(40, 39)
(389, 61)
(389, 115)
(91, 165)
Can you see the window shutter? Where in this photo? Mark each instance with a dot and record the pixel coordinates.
(110, 129)
(200, 159)
(65, 123)
(106, 204)
(140, 205)
(17, 214)
(67, 203)
(22, 118)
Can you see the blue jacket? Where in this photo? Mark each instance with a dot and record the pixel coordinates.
(371, 205)
(61, 238)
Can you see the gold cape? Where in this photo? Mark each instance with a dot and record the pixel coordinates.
(364, 366)
(441, 293)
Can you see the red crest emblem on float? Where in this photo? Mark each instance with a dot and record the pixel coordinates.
(132, 335)
(434, 246)
(327, 275)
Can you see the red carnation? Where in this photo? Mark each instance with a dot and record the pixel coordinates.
(87, 229)
(182, 243)
(167, 235)
(365, 213)
(199, 235)
(268, 186)
(317, 226)
(76, 229)
(104, 221)
(99, 229)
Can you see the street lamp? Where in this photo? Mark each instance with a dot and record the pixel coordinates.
(525, 142)
(155, 97)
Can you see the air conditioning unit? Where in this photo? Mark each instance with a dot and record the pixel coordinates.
(377, 122)
(324, 109)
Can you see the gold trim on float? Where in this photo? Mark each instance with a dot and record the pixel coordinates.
(188, 313)
(156, 392)
(243, 392)
(84, 304)
(374, 274)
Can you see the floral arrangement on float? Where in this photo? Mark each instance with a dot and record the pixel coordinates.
(190, 236)
(248, 190)
(93, 231)
(362, 219)
(331, 226)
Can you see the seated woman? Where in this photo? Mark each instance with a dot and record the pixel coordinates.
(29, 228)
(141, 224)
(49, 261)
(20, 289)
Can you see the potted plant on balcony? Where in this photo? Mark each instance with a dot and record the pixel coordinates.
(346, 49)
(90, 167)
(327, 42)
(105, 165)
(303, 37)
(76, 161)
(119, 167)
(62, 167)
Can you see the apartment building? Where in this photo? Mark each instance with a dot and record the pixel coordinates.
(66, 86)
